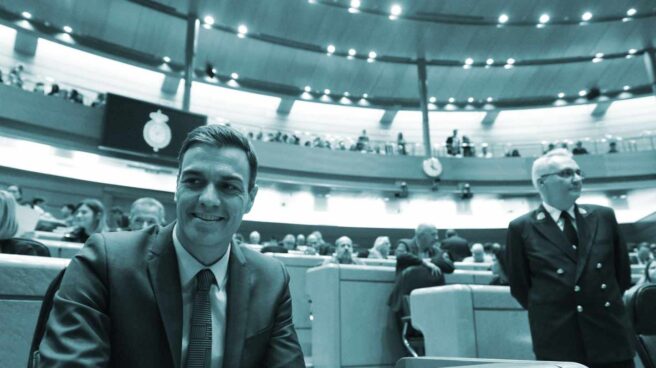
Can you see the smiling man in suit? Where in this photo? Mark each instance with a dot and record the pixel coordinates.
(568, 265)
(181, 295)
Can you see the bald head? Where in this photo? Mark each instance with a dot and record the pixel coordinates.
(426, 235)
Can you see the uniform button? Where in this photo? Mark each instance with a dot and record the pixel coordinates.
(579, 308)
(577, 288)
(598, 265)
(603, 286)
(574, 247)
(560, 271)
(607, 304)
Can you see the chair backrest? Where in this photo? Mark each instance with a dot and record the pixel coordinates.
(641, 306)
(414, 277)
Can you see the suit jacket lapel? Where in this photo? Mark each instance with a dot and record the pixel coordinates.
(586, 223)
(165, 280)
(238, 291)
(546, 226)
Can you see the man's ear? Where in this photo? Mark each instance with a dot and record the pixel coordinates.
(251, 198)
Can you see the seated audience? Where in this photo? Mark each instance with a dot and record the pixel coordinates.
(612, 147)
(254, 238)
(237, 239)
(17, 192)
(273, 247)
(401, 144)
(455, 246)
(423, 249)
(300, 240)
(648, 277)
(478, 255)
(453, 144)
(117, 220)
(468, 149)
(316, 245)
(380, 250)
(579, 149)
(66, 213)
(145, 212)
(644, 253)
(289, 242)
(343, 252)
(89, 219)
(8, 228)
(38, 204)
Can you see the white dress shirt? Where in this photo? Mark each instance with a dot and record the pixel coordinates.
(555, 215)
(189, 267)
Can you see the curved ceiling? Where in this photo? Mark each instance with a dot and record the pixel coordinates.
(285, 48)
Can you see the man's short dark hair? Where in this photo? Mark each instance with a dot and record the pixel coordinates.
(222, 136)
(70, 206)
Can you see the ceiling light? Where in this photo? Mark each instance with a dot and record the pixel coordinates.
(599, 55)
(432, 99)
(470, 99)
(469, 61)
(561, 95)
(626, 88)
(631, 12)
(307, 89)
(351, 52)
(632, 51)
(490, 99)
(583, 92)
(355, 4)
(330, 49)
(234, 76)
(166, 59)
(510, 61)
(544, 18)
(503, 18)
(26, 15)
(209, 20)
(586, 16)
(326, 91)
(372, 54)
(489, 61)
(452, 100)
(396, 10)
(346, 94)
(67, 29)
(365, 95)
(242, 29)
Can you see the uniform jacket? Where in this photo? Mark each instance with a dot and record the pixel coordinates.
(457, 248)
(120, 305)
(573, 297)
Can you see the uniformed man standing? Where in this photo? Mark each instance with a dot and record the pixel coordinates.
(569, 266)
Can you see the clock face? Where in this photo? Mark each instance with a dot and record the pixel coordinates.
(157, 135)
(432, 167)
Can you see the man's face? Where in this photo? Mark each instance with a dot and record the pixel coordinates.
(312, 241)
(559, 189)
(143, 216)
(344, 248)
(15, 192)
(212, 196)
(427, 237)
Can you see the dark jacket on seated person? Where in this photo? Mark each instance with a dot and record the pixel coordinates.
(76, 236)
(27, 247)
(273, 249)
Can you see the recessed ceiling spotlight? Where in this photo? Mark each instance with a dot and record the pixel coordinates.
(626, 88)
(432, 99)
(544, 18)
(242, 29)
(586, 16)
(234, 76)
(67, 29)
(330, 49)
(489, 61)
(166, 59)
(307, 89)
(631, 12)
(396, 10)
(365, 95)
(503, 18)
(490, 99)
(561, 95)
(26, 15)
(346, 94)
(469, 61)
(209, 20)
(452, 100)
(599, 55)
(351, 52)
(470, 99)
(632, 51)
(510, 61)
(326, 91)
(372, 54)
(583, 92)
(355, 4)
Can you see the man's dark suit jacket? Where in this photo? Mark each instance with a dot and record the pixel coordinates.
(573, 297)
(457, 247)
(120, 305)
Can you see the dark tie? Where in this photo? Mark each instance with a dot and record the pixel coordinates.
(569, 230)
(199, 351)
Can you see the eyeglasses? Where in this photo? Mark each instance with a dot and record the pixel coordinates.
(566, 173)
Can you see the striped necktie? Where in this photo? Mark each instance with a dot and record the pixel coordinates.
(199, 351)
(569, 230)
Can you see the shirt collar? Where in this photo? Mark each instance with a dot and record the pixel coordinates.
(189, 266)
(555, 212)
